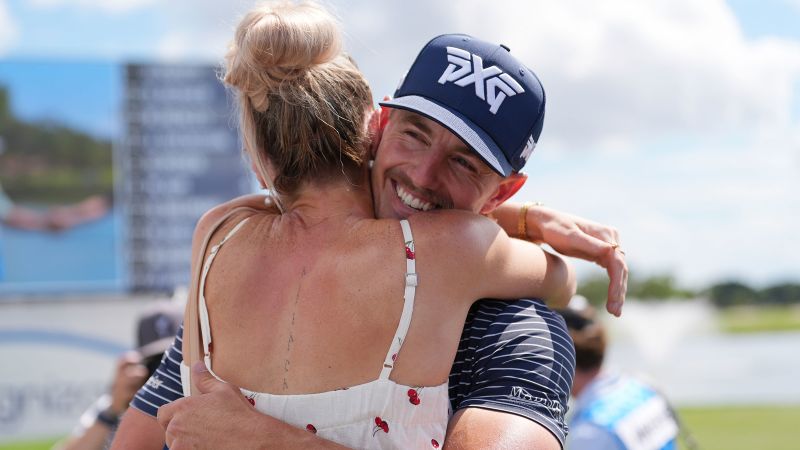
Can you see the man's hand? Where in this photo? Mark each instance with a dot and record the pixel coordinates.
(222, 418)
(580, 238)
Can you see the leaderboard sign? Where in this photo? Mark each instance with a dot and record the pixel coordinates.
(181, 157)
(126, 157)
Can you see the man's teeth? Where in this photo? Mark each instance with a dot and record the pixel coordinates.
(411, 201)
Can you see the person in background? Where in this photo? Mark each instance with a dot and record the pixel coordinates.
(612, 411)
(155, 331)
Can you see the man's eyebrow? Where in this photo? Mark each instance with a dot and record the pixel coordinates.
(418, 122)
(465, 150)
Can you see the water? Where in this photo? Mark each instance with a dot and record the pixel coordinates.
(83, 258)
(677, 345)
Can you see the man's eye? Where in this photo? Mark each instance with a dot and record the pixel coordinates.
(413, 134)
(466, 164)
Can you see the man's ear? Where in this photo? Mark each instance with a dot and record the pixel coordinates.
(506, 189)
(377, 122)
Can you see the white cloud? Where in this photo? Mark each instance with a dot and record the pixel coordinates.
(8, 29)
(618, 73)
(645, 69)
(794, 4)
(705, 211)
(199, 30)
(110, 6)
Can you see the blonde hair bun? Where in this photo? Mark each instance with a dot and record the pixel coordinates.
(277, 42)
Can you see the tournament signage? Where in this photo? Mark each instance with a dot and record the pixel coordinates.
(181, 157)
(122, 159)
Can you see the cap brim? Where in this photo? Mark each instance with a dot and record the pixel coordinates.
(480, 142)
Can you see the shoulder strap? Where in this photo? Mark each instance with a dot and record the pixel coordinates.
(192, 341)
(408, 302)
(205, 325)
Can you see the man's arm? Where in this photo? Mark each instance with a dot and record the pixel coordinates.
(138, 431)
(476, 428)
(511, 378)
(576, 237)
(138, 428)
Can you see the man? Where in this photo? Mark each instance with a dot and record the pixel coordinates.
(450, 139)
(156, 328)
(612, 411)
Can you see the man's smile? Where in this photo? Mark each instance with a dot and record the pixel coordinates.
(411, 200)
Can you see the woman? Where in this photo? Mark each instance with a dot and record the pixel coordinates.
(328, 318)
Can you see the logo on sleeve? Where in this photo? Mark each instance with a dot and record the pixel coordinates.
(491, 84)
(154, 382)
(521, 396)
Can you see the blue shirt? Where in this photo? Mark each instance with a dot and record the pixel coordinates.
(620, 412)
(515, 357)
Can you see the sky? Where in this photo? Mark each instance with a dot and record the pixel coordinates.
(676, 121)
(84, 96)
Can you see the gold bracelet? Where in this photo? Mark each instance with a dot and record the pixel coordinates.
(522, 220)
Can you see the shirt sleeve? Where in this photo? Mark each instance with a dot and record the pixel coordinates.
(165, 385)
(518, 358)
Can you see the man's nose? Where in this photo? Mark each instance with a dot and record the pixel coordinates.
(428, 170)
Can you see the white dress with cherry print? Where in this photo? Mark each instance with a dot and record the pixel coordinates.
(378, 414)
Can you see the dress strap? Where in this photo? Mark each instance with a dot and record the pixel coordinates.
(205, 327)
(408, 302)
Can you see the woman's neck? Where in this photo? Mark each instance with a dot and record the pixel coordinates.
(317, 202)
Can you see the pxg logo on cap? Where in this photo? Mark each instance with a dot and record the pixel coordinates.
(466, 68)
(481, 93)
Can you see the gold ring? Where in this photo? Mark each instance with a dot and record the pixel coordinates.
(615, 246)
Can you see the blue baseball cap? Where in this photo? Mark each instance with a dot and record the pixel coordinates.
(481, 93)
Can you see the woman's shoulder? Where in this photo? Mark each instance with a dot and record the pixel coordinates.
(227, 215)
(446, 225)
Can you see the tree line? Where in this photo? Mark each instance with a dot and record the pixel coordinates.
(722, 294)
(47, 162)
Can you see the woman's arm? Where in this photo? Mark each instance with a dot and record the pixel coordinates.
(520, 269)
(481, 261)
(572, 236)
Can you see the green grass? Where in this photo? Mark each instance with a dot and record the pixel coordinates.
(43, 444)
(744, 427)
(717, 428)
(750, 319)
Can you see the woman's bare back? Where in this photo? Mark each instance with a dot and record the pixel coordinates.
(302, 309)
